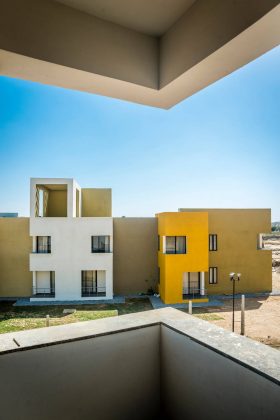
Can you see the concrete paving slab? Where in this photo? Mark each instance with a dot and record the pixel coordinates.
(26, 302)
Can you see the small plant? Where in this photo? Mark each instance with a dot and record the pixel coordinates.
(150, 291)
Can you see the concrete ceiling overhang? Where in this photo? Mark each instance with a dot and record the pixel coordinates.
(150, 17)
(153, 52)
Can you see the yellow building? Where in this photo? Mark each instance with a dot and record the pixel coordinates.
(198, 248)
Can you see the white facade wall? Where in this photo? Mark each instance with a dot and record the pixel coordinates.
(71, 252)
(70, 246)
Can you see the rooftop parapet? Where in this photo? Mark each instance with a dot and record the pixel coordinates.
(145, 365)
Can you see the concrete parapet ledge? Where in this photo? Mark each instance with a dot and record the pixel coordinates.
(242, 350)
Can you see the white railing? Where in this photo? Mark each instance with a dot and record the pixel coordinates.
(43, 292)
(194, 292)
(93, 291)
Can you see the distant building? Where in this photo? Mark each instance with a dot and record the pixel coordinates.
(8, 214)
(72, 234)
(198, 248)
(71, 248)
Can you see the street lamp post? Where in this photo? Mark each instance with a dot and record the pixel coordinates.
(233, 277)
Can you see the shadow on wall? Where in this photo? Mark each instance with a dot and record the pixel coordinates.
(135, 255)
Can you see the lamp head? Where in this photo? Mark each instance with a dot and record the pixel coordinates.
(238, 276)
(231, 276)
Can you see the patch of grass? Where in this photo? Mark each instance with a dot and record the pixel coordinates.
(27, 322)
(26, 318)
(90, 315)
(209, 317)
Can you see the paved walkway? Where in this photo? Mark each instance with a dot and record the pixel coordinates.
(157, 303)
(26, 302)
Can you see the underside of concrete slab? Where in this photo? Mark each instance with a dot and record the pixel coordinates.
(153, 53)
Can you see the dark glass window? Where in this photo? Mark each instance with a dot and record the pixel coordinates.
(213, 243)
(100, 244)
(213, 275)
(43, 245)
(175, 245)
(52, 282)
(93, 283)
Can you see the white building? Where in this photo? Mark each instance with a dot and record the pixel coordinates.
(72, 231)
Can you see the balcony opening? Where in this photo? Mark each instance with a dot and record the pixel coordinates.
(43, 245)
(51, 200)
(44, 284)
(93, 283)
(193, 285)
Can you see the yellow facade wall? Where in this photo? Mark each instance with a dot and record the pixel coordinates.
(96, 202)
(238, 251)
(15, 247)
(172, 266)
(237, 232)
(57, 203)
(135, 255)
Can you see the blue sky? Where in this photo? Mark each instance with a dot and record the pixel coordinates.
(219, 148)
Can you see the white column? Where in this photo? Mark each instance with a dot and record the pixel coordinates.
(34, 281)
(71, 199)
(34, 244)
(164, 244)
(32, 197)
(202, 283)
(74, 188)
(109, 284)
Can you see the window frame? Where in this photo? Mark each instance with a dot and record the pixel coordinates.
(90, 284)
(175, 245)
(47, 247)
(99, 250)
(213, 279)
(213, 242)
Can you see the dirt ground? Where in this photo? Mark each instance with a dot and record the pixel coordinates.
(276, 280)
(262, 318)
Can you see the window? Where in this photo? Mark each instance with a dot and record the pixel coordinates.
(93, 283)
(45, 284)
(213, 243)
(100, 244)
(43, 245)
(260, 244)
(52, 282)
(213, 275)
(176, 245)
